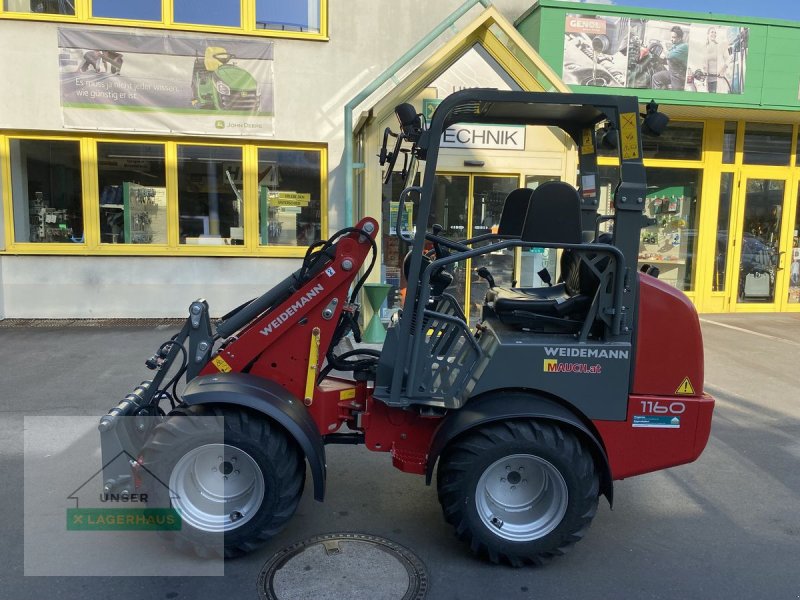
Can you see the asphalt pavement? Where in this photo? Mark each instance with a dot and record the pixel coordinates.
(726, 526)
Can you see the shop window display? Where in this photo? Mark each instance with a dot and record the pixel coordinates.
(210, 202)
(794, 265)
(670, 243)
(672, 203)
(46, 191)
(133, 193)
(289, 197)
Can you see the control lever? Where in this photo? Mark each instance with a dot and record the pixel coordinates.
(544, 275)
(484, 273)
(437, 229)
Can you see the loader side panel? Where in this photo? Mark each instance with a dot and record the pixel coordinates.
(660, 432)
(669, 345)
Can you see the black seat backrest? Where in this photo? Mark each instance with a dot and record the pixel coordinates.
(554, 215)
(515, 207)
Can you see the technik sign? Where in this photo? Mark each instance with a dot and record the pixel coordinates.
(496, 137)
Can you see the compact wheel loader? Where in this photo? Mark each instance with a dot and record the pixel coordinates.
(527, 418)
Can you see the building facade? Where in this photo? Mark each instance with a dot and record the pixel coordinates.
(180, 149)
(724, 177)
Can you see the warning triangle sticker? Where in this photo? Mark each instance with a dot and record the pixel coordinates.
(685, 388)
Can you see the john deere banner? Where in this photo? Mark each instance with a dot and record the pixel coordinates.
(653, 54)
(165, 83)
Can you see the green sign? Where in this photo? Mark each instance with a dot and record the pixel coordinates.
(429, 106)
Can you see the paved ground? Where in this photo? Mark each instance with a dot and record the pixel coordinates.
(727, 526)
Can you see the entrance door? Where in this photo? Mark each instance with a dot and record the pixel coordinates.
(467, 205)
(759, 279)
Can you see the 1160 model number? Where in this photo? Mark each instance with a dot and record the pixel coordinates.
(663, 408)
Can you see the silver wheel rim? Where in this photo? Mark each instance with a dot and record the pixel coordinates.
(216, 487)
(521, 497)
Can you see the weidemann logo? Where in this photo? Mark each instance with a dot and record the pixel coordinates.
(585, 352)
(286, 314)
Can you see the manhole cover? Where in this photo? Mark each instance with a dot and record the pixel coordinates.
(344, 565)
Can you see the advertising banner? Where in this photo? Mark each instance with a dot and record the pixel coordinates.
(165, 83)
(607, 51)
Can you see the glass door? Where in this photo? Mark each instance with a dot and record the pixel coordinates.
(790, 262)
(467, 205)
(757, 246)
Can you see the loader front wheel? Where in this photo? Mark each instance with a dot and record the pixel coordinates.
(233, 477)
(518, 491)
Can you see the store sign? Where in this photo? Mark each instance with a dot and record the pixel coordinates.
(497, 137)
(465, 135)
(623, 52)
(165, 83)
(289, 199)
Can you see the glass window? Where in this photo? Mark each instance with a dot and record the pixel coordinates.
(670, 243)
(794, 265)
(226, 13)
(723, 224)
(767, 144)
(729, 143)
(209, 195)
(280, 15)
(680, 140)
(141, 10)
(289, 197)
(46, 191)
(133, 193)
(50, 7)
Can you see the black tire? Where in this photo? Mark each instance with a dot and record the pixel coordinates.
(553, 451)
(274, 454)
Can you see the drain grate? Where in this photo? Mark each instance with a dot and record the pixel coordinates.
(344, 565)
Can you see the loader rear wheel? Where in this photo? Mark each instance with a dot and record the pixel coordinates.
(518, 491)
(235, 478)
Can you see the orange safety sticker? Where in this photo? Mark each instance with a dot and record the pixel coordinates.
(685, 388)
(587, 147)
(220, 363)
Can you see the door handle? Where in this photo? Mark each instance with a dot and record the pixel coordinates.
(780, 260)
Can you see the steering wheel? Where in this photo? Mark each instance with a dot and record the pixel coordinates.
(224, 57)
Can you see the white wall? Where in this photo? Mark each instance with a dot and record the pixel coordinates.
(313, 82)
(131, 286)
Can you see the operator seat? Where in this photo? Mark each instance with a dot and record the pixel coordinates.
(515, 209)
(554, 216)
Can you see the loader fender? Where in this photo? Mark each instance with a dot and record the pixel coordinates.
(269, 399)
(517, 404)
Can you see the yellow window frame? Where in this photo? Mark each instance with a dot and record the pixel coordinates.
(83, 14)
(92, 245)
